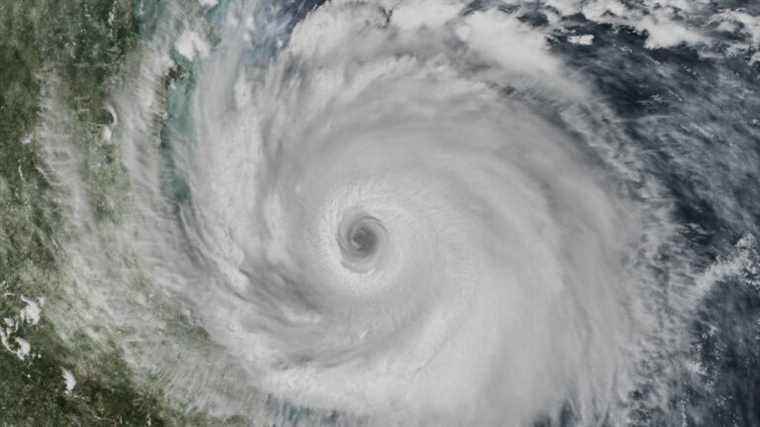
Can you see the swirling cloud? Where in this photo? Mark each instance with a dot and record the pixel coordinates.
(409, 212)
(415, 236)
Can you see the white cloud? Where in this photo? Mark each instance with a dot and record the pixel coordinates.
(190, 44)
(584, 40)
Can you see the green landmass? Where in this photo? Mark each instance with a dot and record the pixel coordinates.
(83, 43)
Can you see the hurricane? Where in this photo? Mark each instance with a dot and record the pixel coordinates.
(423, 213)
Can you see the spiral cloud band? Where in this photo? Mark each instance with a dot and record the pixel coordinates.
(432, 246)
(406, 212)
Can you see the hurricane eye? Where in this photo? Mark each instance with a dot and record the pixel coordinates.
(360, 238)
(363, 240)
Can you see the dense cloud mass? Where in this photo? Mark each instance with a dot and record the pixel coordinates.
(432, 212)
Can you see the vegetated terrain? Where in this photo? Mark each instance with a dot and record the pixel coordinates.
(82, 44)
